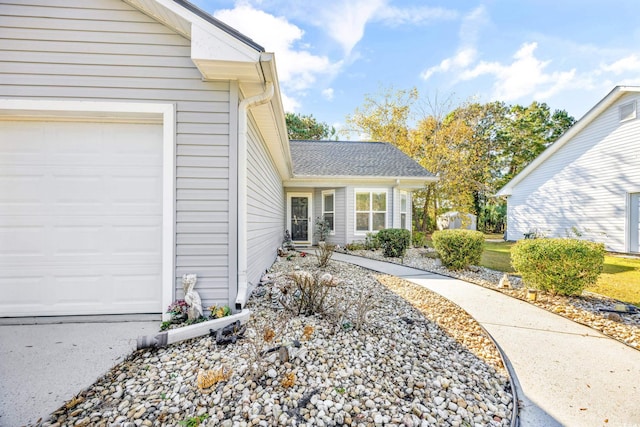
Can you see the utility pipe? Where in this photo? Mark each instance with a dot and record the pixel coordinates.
(243, 111)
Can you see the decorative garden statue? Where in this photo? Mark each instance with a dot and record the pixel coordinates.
(191, 297)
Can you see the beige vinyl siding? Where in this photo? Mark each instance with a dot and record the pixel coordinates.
(583, 185)
(105, 50)
(266, 208)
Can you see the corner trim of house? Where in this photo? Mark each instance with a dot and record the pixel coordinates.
(132, 112)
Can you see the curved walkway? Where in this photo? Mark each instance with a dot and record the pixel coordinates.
(567, 374)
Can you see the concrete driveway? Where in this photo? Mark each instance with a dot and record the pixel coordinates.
(42, 365)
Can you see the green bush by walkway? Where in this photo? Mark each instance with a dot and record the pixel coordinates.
(458, 249)
(561, 266)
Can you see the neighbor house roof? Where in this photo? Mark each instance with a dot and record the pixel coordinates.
(352, 159)
(589, 117)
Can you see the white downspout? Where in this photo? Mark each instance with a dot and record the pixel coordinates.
(243, 110)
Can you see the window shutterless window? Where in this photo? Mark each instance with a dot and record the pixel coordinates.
(371, 210)
(404, 197)
(328, 208)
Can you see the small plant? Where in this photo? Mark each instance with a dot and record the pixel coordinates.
(289, 380)
(394, 241)
(212, 377)
(324, 254)
(362, 307)
(218, 312)
(458, 249)
(340, 390)
(371, 242)
(268, 335)
(418, 239)
(307, 332)
(178, 311)
(354, 246)
(562, 266)
(194, 421)
(305, 293)
(323, 228)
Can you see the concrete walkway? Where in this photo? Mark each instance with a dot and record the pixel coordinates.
(567, 374)
(44, 365)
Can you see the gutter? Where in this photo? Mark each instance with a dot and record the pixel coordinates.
(243, 110)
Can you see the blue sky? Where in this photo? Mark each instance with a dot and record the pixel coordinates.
(331, 53)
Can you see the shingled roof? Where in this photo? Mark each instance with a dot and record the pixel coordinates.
(347, 158)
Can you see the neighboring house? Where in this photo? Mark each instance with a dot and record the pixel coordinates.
(586, 184)
(359, 187)
(140, 140)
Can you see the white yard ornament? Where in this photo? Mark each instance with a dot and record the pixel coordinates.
(191, 297)
(504, 282)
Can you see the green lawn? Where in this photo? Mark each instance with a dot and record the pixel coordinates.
(620, 278)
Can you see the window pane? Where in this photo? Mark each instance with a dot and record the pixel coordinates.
(362, 222)
(379, 221)
(328, 202)
(379, 201)
(329, 218)
(403, 202)
(403, 220)
(362, 201)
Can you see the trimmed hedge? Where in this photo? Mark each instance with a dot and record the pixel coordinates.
(394, 241)
(418, 239)
(561, 266)
(458, 249)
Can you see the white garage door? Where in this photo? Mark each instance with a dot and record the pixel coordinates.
(80, 218)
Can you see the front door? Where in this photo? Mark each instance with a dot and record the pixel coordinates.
(299, 222)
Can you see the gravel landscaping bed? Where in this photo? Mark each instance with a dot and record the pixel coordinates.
(584, 309)
(386, 352)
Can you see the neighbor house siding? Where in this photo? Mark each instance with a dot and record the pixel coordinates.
(105, 50)
(266, 206)
(584, 185)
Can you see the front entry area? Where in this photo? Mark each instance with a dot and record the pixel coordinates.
(299, 221)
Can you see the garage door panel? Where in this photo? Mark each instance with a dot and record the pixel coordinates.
(80, 218)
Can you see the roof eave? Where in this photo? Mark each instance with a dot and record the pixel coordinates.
(591, 115)
(409, 182)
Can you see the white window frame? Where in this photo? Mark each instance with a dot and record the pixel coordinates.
(325, 211)
(404, 194)
(370, 211)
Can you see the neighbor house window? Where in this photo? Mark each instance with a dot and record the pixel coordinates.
(371, 210)
(627, 111)
(403, 209)
(328, 208)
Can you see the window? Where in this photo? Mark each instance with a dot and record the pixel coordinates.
(403, 209)
(328, 208)
(627, 111)
(371, 210)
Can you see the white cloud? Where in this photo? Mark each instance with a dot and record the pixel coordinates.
(524, 76)
(289, 104)
(328, 94)
(415, 15)
(298, 68)
(463, 58)
(627, 64)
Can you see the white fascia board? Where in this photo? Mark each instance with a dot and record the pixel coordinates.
(589, 117)
(411, 182)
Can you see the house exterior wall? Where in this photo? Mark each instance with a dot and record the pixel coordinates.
(106, 50)
(584, 186)
(266, 207)
(338, 235)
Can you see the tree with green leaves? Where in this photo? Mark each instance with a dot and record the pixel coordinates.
(301, 126)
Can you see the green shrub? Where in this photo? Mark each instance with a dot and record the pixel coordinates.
(458, 249)
(371, 242)
(562, 266)
(418, 239)
(394, 241)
